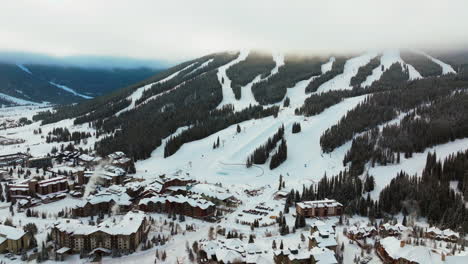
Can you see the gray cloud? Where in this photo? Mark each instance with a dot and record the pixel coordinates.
(176, 30)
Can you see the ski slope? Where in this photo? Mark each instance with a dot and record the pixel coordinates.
(328, 66)
(203, 65)
(228, 93)
(70, 90)
(305, 160)
(415, 165)
(446, 69)
(389, 57)
(17, 101)
(351, 67)
(138, 93)
(23, 68)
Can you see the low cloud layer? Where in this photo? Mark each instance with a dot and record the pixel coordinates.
(176, 30)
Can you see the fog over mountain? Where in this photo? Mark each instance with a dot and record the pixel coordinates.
(180, 30)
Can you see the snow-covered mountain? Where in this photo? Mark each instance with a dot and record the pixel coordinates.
(34, 84)
(358, 128)
(174, 119)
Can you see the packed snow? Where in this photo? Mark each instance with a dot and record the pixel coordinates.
(225, 164)
(70, 90)
(138, 93)
(414, 165)
(17, 101)
(389, 57)
(328, 66)
(203, 65)
(351, 67)
(446, 68)
(228, 93)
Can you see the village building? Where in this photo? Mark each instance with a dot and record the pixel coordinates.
(110, 200)
(106, 176)
(14, 240)
(121, 160)
(3, 174)
(13, 159)
(49, 189)
(446, 235)
(192, 205)
(362, 231)
(122, 233)
(304, 256)
(39, 162)
(320, 208)
(88, 160)
(232, 250)
(393, 251)
(394, 230)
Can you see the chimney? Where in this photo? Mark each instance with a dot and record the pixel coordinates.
(402, 243)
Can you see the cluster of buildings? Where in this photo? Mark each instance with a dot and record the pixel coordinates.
(32, 191)
(322, 246)
(232, 250)
(68, 177)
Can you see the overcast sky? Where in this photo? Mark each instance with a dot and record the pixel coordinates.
(175, 30)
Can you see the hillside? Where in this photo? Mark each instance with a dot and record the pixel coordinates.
(256, 135)
(37, 83)
(347, 116)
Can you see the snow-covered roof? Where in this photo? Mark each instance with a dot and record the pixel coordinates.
(86, 157)
(319, 203)
(324, 239)
(117, 225)
(228, 250)
(192, 200)
(114, 193)
(211, 191)
(52, 181)
(418, 254)
(12, 233)
(323, 255)
(107, 172)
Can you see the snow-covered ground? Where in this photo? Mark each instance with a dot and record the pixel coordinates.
(36, 143)
(446, 68)
(203, 65)
(384, 174)
(70, 90)
(17, 101)
(351, 67)
(228, 93)
(326, 67)
(388, 58)
(139, 91)
(204, 163)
